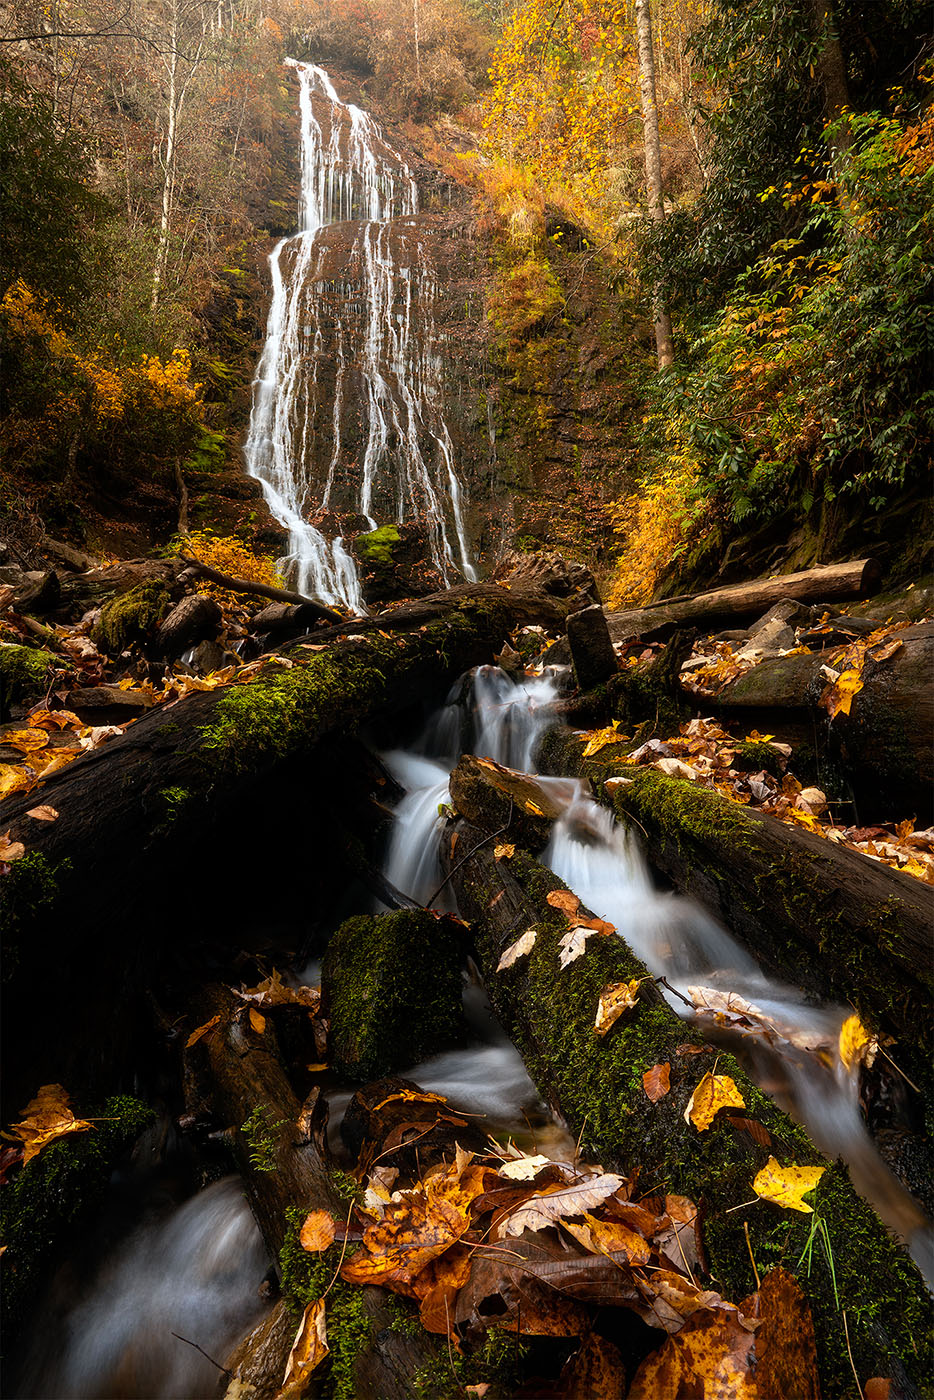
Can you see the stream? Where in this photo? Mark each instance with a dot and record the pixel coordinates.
(195, 1271)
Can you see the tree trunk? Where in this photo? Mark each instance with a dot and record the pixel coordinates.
(653, 168)
(831, 73)
(743, 601)
(597, 1085)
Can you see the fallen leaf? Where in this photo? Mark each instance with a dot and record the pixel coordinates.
(786, 1186)
(317, 1233)
(564, 900)
(715, 1091)
(13, 779)
(274, 992)
(504, 852)
(47, 1118)
(601, 737)
(524, 1169)
(711, 1355)
(519, 949)
(202, 1030)
(614, 1000)
(657, 1081)
(409, 1096)
(838, 699)
(25, 740)
(43, 814)
(887, 649)
(609, 1237)
(576, 1199)
(308, 1351)
(573, 944)
(54, 719)
(855, 1042)
(257, 1021)
(786, 1348)
(11, 850)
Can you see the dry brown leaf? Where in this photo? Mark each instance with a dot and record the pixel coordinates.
(786, 1348)
(43, 814)
(257, 1021)
(715, 1091)
(274, 992)
(317, 1233)
(11, 850)
(202, 1030)
(564, 900)
(519, 949)
(541, 1211)
(712, 1355)
(657, 1081)
(308, 1351)
(504, 852)
(47, 1118)
(786, 1186)
(614, 1000)
(573, 944)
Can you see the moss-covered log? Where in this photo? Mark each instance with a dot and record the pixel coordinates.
(190, 796)
(235, 1074)
(392, 990)
(597, 1084)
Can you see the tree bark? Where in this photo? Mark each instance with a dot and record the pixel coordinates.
(653, 168)
(597, 1085)
(259, 590)
(831, 73)
(827, 583)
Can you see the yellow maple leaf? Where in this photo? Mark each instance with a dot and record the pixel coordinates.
(715, 1091)
(785, 1186)
(48, 1117)
(614, 1000)
(601, 737)
(839, 697)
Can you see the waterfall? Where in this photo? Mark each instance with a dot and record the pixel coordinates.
(348, 397)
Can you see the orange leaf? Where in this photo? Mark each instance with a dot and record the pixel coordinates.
(564, 900)
(11, 850)
(657, 1081)
(317, 1233)
(614, 1000)
(308, 1351)
(47, 1118)
(25, 740)
(43, 813)
(202, 1030)
(257, 1021)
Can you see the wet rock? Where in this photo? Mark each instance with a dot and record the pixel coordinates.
(394, 563)
(38, 594)
(547, 571)
(210, 656)
(194, 619)
(108, 697)
(133, 616)
(392, 988)
(591, 648)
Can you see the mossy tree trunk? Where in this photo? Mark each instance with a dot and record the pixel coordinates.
(597, 1085)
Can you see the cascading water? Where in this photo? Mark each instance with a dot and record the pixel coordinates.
(604, 865)
(348, 397)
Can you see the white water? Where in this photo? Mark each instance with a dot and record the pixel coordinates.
(197, 1273)
(605, 866)
(383, 352)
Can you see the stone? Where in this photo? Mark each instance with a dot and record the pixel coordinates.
(100, 697)
(591, 648)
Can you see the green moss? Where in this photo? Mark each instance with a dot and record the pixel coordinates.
(307, 1277)
(377, 547)
(43, 1205)
(598, 1083)
(23, 672)
(30, 890)
(393, 988)
(175, 799)
(132, 616)
(753, 756)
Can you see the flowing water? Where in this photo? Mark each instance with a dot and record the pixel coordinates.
(197, 1271)
(348, 410)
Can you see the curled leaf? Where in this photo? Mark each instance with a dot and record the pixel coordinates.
(201, 1030)
(614, 1000)
(519, 949)
(47, 1118)
(504, 852)
(308, 1351)
(715, 1091)
(43, 813)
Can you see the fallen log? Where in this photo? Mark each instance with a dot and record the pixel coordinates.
(844, 927)
(597, 1084)
(279, 1147)
(825, 584)
(884, 746)
(161, 808)
(258, 590)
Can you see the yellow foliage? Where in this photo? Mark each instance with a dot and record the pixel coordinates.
(787, 1186)
(229, 556)
(654, 525)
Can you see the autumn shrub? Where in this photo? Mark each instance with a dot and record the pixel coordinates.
(230, 556)
(656, 524)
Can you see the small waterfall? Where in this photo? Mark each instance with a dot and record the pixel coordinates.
(348, 397)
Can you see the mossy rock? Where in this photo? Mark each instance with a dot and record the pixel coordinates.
(393, 986)
(23, 673)
(378, 547)
(132, 616)
(58, 1189)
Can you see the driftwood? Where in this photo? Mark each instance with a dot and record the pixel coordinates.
(597, 1085)
(825, 584)
(258, 590)
(235, 1071)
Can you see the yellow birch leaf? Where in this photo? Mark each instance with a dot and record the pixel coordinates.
(26, 740)
(839, 698)
(614, 1000)
(48, 1118)
(715, 1091)
(15, 779)
(785, 1186)
(601, 737)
